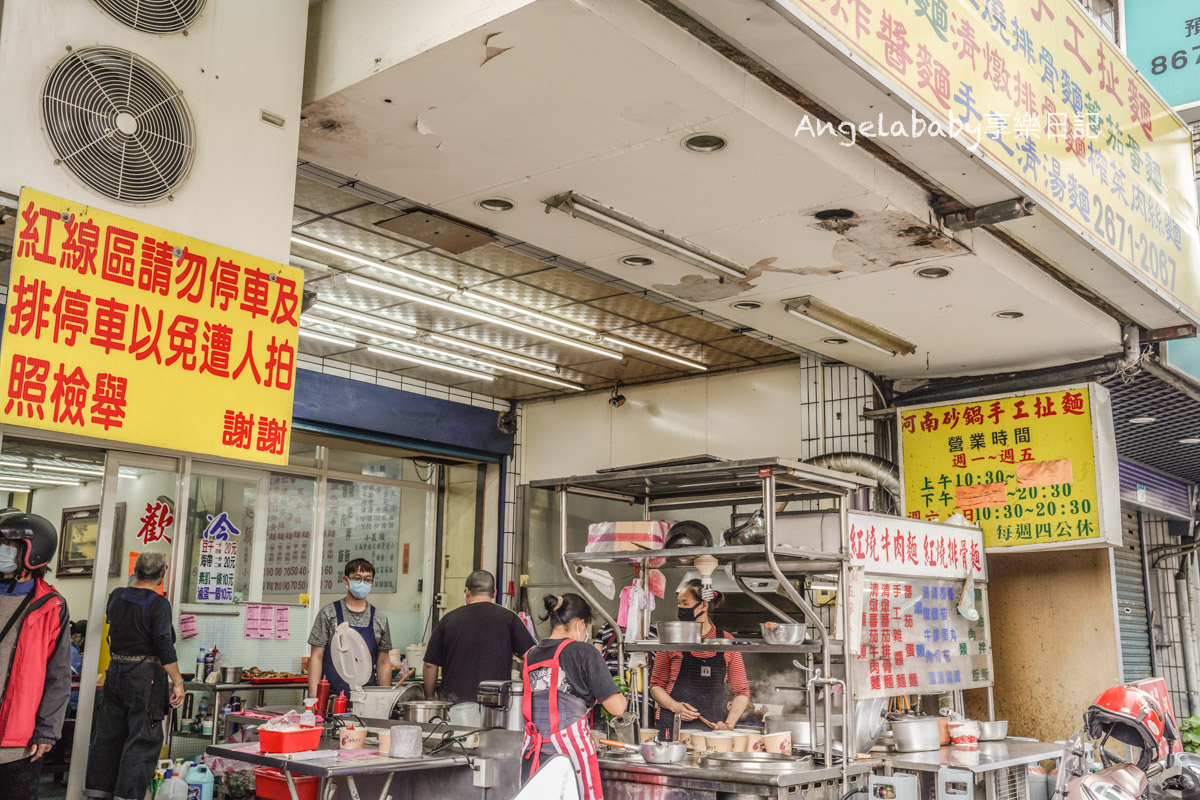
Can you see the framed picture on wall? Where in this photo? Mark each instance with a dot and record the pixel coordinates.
(77, 541)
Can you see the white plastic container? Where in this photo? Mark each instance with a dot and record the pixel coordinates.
(406, 741)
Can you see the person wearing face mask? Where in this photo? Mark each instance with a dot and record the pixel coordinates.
(475, 642)
(564, 677)
(358, 577)
(35, 653)
(695, 685)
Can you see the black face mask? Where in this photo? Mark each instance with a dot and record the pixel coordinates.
(687, 614)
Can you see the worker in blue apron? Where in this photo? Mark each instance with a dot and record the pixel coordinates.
(350, 639)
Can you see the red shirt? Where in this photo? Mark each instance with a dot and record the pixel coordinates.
(667, 664)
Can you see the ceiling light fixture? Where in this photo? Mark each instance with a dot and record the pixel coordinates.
(834, 340)
(833, 319)
(330, 308)
(705, 143)
(1009, 314)
(75, 470)
(1190, 440)
(746, 305)
(655, 353)
(574, 387)
(479, 315)
(399, 272)
(47, 481)
(324, 337)
(933, 273)
(491, 351)
(428, 363)
(14, 489)
(1144, 419)
(637, 261)
(527, 312)
(496, 204)
(589, 210)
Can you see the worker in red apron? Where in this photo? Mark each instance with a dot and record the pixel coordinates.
(564, 677)
(698, 685)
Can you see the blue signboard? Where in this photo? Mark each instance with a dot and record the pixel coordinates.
(1162, 39)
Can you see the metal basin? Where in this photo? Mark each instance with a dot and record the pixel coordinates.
(679, 632)
(754, 762)
(993, 731)
(663, 752)
(783, 634)
(916, 734)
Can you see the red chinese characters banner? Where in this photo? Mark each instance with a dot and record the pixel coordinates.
(1043, 97)
(1031, 470)
(120, 330)
(885, 545)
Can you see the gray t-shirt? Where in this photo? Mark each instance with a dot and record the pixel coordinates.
(323, 628)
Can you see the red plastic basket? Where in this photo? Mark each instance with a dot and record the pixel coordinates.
(290, 742)
(270, 784)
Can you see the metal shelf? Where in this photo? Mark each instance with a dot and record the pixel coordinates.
(207, 737)
(686, 555)
(742, 646)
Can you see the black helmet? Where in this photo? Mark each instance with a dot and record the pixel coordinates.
(37, 532)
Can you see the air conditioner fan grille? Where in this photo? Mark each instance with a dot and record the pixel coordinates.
(154, 16)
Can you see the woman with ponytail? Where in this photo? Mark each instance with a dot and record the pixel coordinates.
(564, 677)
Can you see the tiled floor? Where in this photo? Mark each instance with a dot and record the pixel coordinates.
(49, 790)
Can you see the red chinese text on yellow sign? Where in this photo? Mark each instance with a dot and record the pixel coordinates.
(120, 330)
(1050, 102)
(997, 462)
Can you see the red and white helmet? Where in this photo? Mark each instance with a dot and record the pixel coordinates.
(1130, 716)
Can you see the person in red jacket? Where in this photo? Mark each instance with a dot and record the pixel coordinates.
(35, 652)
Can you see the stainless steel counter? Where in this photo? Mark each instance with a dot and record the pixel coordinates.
(991, 756)
(626, 780)
(335, 766)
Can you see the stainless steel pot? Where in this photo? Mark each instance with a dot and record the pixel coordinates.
(915, 734)
(424, 710)
(993, 731)
(679, 632)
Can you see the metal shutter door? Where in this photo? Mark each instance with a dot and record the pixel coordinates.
(1131, 600)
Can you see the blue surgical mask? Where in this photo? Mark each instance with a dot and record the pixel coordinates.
(8, 558)
(360, 589)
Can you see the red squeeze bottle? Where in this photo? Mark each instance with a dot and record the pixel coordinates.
(323, 696)
(339, 704)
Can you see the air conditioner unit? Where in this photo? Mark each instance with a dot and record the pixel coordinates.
(179, 113)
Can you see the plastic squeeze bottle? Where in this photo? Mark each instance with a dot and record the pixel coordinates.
(308, 717)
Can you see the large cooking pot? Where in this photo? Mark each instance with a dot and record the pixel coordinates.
(915, 734)
(501, 704)
(424, 710)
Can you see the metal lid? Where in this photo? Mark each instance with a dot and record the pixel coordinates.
(351, 657)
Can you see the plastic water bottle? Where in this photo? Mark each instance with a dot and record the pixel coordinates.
(200, 664)
(200, 783)
(203, 712)
(173, 788)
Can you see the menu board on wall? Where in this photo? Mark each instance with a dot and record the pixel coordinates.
(289, 529)
(362, 520)
(913, 639)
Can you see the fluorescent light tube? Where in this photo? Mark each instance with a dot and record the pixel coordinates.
(656, 353)
(839, 331)
(330, 308)
(591, 211)
(15, 489)
(429, 363)
(324, 337)
(479, 315)
(526, 312)
(48, 481)
(76, 470)
(491, 351)
(544, 379)
(399, 272)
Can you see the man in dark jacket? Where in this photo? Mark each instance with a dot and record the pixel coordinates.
(35, 653)
(142, 678)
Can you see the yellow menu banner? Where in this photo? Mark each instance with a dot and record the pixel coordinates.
(1023, 468)
(1046, 99)
(119, 330)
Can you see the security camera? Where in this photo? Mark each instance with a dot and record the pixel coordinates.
(617, 400)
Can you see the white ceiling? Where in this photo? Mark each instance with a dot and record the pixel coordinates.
(598, 103)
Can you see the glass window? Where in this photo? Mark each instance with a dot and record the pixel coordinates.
(290, 526)
(219, 530)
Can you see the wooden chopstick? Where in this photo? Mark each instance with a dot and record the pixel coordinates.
(709, 724)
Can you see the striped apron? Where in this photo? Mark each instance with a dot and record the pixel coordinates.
(574, 742)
